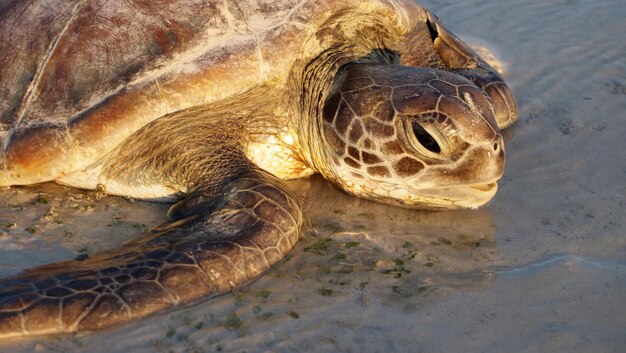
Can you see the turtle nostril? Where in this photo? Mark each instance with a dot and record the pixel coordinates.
(496, 146)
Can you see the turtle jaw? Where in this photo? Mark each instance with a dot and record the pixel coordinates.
(454, 197)
(468, 196)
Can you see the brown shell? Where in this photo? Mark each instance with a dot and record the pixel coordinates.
(61, 58)
(77, 77)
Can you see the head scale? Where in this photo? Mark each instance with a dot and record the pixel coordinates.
(417, 137)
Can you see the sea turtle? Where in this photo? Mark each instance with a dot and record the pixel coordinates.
(212, 104)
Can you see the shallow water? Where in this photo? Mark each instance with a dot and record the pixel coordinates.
(541, 268)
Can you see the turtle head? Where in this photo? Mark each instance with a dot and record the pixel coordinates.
(417, 137)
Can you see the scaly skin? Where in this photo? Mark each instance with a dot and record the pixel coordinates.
(376, 122)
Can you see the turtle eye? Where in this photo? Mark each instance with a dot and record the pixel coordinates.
(425, 139)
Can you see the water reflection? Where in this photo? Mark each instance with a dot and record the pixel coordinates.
(401, 257)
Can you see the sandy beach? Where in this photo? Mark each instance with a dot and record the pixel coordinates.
(541, 268)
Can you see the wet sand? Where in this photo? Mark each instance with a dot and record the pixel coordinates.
(542, 268)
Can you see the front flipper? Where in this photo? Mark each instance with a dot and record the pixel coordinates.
(211, 245)
(462, 60)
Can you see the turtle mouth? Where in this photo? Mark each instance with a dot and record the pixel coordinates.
(434, 198)
(484, 187)
(451, 197)
(463, 196)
